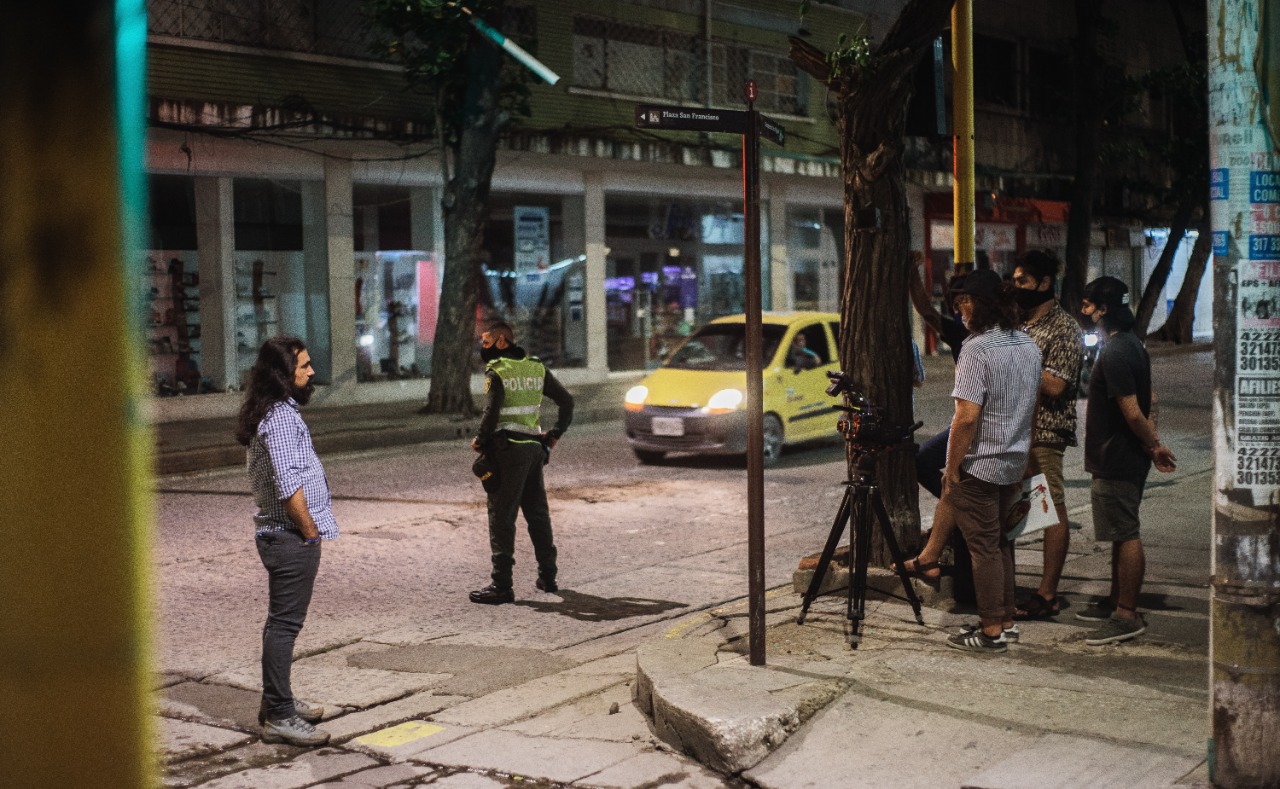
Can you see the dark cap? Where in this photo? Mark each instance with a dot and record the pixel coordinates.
(983, 282)
(1108, 292)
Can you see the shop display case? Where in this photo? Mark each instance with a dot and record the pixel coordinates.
(171, 289)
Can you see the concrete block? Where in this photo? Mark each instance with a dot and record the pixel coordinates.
(589, 718)
(468, 781)
(337, 685)
(183, 739)
(728, 716)
(310, 768)
(405, 773)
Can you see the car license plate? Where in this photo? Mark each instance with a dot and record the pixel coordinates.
(668, 426)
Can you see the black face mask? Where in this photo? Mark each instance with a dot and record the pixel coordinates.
(490, 353)
(1030, 299)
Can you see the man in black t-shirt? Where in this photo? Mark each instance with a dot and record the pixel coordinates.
(1119, 449)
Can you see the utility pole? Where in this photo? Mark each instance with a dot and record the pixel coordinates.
(75, 493)
(963, 212)
(1244, 127)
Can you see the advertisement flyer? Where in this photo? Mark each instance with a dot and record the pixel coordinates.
(1244, 194)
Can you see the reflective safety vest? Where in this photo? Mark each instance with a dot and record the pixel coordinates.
(522, 381)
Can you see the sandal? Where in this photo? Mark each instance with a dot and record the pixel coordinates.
(918, 569)
(1038, 608)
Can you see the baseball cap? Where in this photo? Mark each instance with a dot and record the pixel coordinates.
(983, 282)
(1111, 293)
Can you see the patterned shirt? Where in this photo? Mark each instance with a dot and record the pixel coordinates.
(1061, 344)
(999, 370)
(280, 460)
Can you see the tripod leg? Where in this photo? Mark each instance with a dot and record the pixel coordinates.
(887, 529)
(829, 550)
(857, 601)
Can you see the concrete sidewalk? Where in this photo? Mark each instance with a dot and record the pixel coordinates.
(904, 709)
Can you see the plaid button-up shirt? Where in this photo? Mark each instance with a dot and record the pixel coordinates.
(281, 460)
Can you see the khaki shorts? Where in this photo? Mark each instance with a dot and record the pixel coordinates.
(1115, 509)
(1049, 460)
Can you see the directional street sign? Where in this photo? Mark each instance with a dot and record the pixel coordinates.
(691, 119)
(772, 130)
(702, 119)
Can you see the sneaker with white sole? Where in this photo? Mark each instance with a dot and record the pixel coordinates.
(1011, 634)
(1116, 629)
(978, 641)
(311, 713)
(294, 731)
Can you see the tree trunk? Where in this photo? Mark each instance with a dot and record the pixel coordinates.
(1182, 317)
(465, 205)
(875, 328)
(1160, 275)
(1088, 111)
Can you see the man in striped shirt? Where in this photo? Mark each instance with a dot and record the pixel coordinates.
(997, 381)
(294, 514)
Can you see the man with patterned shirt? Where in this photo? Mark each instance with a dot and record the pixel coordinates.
(1061, 346)
(294, 514)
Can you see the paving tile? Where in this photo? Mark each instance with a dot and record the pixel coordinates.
(407, 740)
(417, 706)
(469, 781)
(557, 759)
(1055, 761)
(589, 718)
(655, 769)
(309, 768)
(184, 739)
(523, 701)
(337, 686)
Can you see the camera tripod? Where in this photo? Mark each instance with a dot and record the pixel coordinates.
(860, 504)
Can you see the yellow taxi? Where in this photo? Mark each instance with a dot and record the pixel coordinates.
(695, 402)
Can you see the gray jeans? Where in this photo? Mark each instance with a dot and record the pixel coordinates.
(291, 572)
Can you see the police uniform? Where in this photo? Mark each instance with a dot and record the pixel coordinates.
(510, 434)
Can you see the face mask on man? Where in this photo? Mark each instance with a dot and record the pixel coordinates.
(1030, 299)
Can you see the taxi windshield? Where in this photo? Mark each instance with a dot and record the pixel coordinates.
(722, 346)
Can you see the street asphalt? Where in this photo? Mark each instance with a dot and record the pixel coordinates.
(687, 710)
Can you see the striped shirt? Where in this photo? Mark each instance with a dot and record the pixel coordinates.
(999, 370)
(280, 460)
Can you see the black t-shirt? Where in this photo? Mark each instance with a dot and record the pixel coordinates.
(1111, 450)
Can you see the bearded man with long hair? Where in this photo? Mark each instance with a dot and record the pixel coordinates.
(294, 514)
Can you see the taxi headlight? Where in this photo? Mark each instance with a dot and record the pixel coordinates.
(636, 395)
(723, 401)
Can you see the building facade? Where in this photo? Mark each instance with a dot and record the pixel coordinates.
(296, 186)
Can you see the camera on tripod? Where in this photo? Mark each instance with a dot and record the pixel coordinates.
(863, 424)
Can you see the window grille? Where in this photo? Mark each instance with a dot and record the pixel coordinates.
(783, 88)
(324, 27)
(637, 60)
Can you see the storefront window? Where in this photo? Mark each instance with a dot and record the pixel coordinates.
(397, 300)
(397, 287)
(170, 290)
(535, 275)
(673, 265)
(813, 258)
(281, 269)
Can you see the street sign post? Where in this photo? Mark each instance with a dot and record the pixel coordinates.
(751, 125)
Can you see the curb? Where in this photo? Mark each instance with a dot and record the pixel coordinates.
(719, 710)
(356, 439)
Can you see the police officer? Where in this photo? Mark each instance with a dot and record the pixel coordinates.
(511, 437)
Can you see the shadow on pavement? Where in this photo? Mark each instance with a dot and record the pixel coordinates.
(589, 608)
